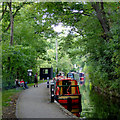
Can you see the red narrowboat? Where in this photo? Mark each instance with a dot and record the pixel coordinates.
(68, 95)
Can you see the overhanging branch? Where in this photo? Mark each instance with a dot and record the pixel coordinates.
(18, 8)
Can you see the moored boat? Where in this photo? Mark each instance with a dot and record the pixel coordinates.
(82, 78)
(68, 95)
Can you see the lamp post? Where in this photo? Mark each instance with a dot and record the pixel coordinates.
(56, 56)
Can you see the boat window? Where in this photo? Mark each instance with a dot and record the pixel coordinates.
(67, 83)
(68, 89)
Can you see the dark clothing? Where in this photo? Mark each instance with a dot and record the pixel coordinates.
(35, 79)
(17, 84)
(25, 84)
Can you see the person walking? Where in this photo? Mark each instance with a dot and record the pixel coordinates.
(35, 80)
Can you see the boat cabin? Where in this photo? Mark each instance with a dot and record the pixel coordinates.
(66, 86)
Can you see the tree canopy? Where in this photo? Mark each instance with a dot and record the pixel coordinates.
(91, 39)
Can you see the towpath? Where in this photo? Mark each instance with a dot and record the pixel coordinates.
(35, 103)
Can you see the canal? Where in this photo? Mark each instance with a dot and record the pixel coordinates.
(97, 106)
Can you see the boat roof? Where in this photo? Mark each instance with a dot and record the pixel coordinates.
(70, 79)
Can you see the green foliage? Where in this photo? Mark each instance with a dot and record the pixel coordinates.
(87, 44)
(29, 43)
(16, 61)
(101, 51)
(64, 64)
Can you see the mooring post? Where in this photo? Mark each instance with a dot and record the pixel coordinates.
(52, 92)
(47, 82)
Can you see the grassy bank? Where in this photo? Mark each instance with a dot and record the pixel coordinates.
(7, 95)
(9, 99)
(101, 83)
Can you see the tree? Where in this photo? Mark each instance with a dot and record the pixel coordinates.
(10, 17)
(95, 23)
(11, 22)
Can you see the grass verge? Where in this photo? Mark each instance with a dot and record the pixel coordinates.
(9, 98)
(7, 94)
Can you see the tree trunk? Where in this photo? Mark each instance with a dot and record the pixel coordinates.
(11, 22)
(99, 8)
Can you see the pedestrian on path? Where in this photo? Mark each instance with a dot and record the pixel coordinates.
(35, 80)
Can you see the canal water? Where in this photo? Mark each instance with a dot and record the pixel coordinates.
(97, 106)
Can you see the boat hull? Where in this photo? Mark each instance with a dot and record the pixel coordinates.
(71, 103)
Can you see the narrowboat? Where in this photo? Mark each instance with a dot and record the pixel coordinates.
(68, 95)
(82, 79)
(74, 75)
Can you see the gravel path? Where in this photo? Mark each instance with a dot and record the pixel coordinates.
(35, 103)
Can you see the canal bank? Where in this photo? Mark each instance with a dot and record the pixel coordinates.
(111, 94)
(98, 106)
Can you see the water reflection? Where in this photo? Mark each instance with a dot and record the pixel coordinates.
(98, 106)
